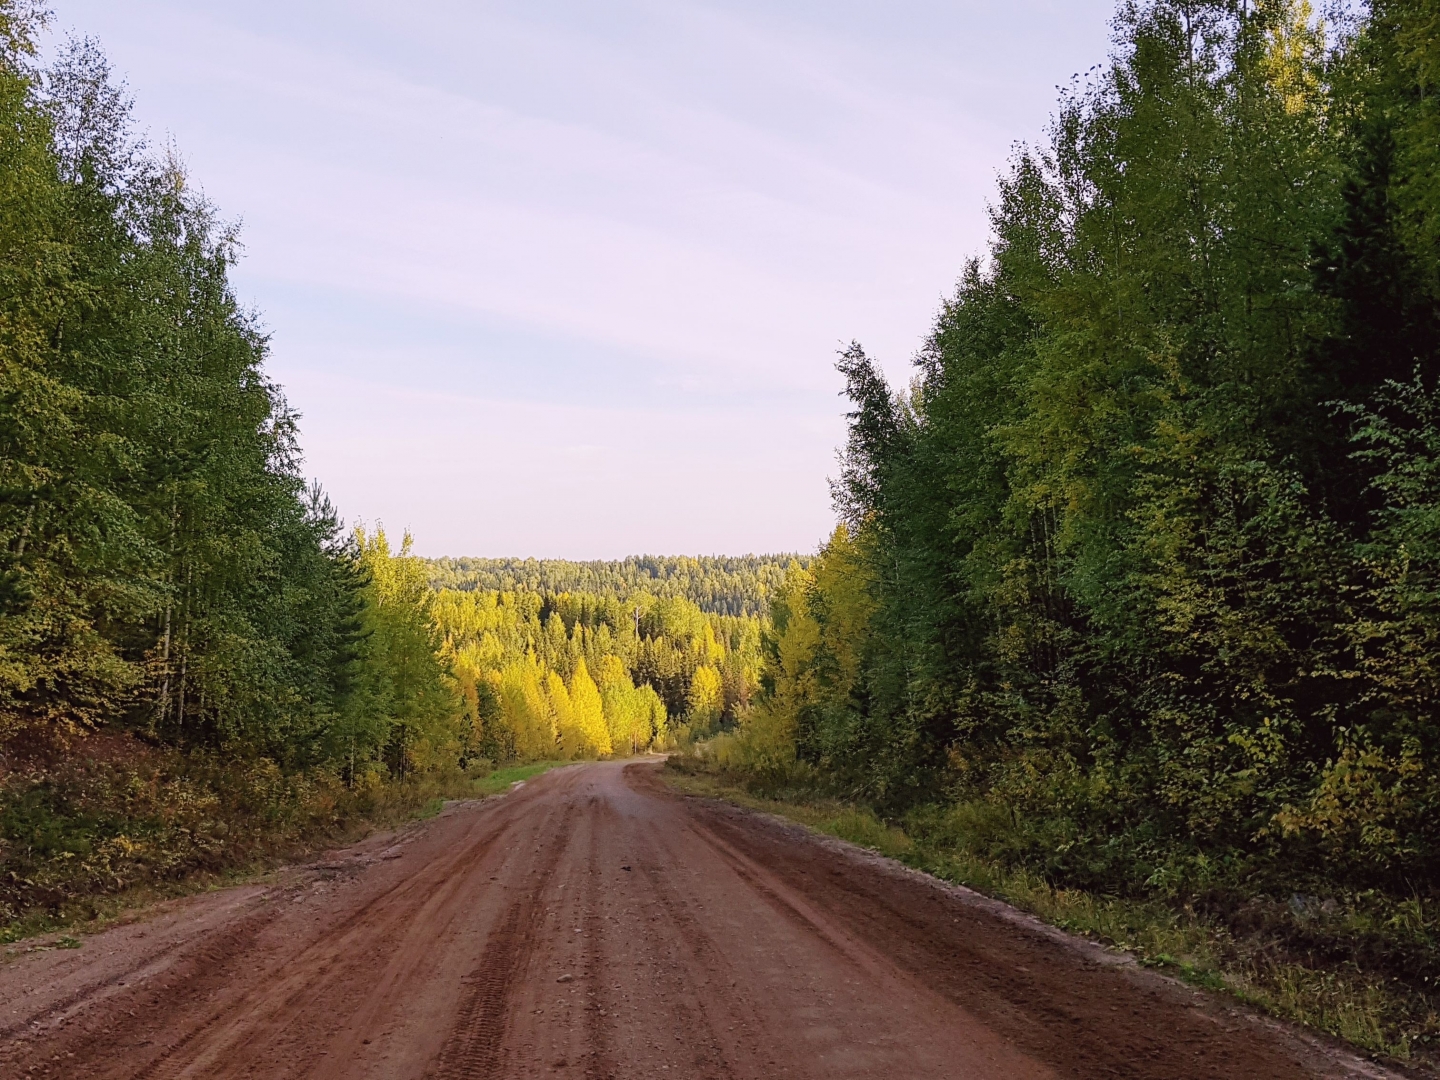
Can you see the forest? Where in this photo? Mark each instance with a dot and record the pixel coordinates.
(581, 660)
(164, 567)
(197, 663)
(200, 666)
(1135, 590)
(1136, 585)
(576, 675)
(721, 585)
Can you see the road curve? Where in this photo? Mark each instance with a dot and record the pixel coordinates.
(591, 924)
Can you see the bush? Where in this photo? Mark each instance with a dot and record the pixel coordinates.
(77, 828)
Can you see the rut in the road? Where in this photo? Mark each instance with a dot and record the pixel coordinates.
(473, 1049)
(695, 941)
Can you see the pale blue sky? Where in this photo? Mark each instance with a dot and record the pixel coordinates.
(567, 279)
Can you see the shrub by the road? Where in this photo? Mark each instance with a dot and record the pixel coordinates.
(83, 835)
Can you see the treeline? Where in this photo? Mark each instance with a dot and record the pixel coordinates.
(576, 675)
(164, 568)
(721, 585)
(1143, 569)
(198, 668)
(198, 665)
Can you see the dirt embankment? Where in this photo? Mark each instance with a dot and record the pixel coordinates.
(592, 924)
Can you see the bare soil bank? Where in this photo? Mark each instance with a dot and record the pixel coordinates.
(593, 924)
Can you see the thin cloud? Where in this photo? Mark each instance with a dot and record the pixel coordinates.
(668, 212)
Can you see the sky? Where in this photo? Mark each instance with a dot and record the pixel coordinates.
(567, 279)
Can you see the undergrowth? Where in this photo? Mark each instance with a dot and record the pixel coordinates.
(1359, 968)
(85, 837)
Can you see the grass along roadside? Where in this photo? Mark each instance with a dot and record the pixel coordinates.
(495, 782)
(85, 911)
(1381, 1016)
(501, 780)
(99, 842)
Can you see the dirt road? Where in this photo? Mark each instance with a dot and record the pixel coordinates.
(592, 924)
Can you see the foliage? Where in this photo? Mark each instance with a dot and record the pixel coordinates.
(165, 570)
(501, 780)
(1144, 554)
(579, 675)
(1139, 576)
(411, 700)
(81, 833)
(162, 562)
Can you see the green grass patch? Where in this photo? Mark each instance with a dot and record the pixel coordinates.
(856, 824)
(500, 780)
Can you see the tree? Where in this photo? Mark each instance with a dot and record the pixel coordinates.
(706, 699)
(591, 735)
(415, 693)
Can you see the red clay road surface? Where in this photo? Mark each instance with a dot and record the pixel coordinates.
(591, 924)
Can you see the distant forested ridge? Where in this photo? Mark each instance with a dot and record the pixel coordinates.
(740, 585)
(1142, 569)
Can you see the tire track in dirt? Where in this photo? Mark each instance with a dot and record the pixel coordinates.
(413, 968)
(473, 1049)
(790, 905)
(803, 968)
(209, 967)
(601, 820)
(1085, 1015)
(194, 968)
(376, 922)
(595, 925)
(225, 1015)
(63, 1009)
(693, 944)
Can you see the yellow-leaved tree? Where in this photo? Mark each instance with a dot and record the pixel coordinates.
(525, 710)
(587, 715)
(617, 697)
(635, 716)
(567, 734)
(706, 699)
(765, 743)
